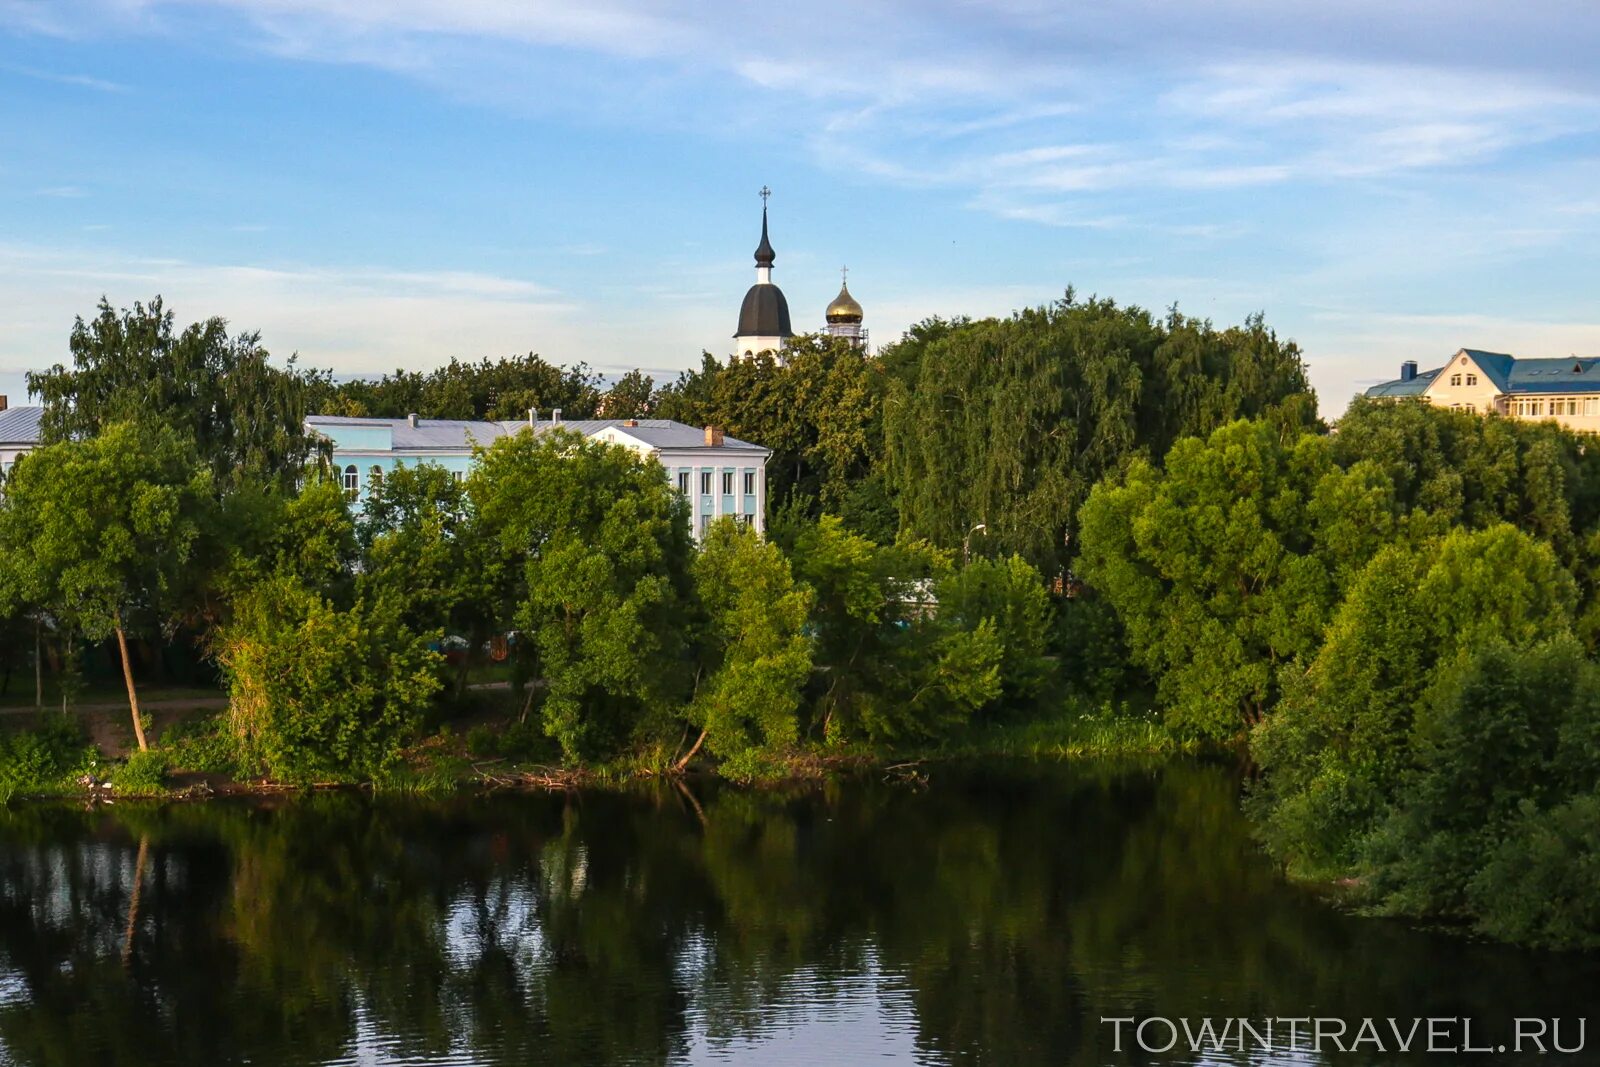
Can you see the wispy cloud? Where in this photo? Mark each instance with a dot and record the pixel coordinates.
(80, 81)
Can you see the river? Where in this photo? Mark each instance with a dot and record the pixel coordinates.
(989, 916)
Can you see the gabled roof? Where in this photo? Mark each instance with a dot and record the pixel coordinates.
(1497, 365)
(1399, 387)
(20, 425)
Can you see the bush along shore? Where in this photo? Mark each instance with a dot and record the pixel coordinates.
(1132, 534)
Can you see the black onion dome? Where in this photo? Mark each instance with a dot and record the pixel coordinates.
(764, 253)
(765, 313)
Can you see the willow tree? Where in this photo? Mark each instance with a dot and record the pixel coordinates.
(100, 533)
(1009, 422)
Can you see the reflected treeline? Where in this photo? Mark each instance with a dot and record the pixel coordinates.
(1008, 910)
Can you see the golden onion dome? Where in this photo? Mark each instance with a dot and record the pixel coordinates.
(844, 307)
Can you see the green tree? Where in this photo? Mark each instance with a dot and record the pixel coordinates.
(1010, 595)
(893, 665)
(598, 551)
(630, 396)
(1227, 565)
(318, 691)
(755, 657)
(1011, 422)
(245, 416)
(100, 533)
(1344, 739)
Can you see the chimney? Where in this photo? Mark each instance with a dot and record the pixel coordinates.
(533, 418)
(411, 420)
(1408, 370)
(626, 422)
(555, 414)
(3, 403)
(714, 436)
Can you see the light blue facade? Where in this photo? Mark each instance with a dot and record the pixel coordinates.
(719, 475)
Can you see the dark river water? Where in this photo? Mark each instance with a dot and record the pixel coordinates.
(990, 917)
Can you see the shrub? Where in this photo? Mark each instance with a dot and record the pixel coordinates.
(320, 692)
(44, 759)
(143, 773)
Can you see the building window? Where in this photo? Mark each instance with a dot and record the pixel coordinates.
(749, 483)
(683, 482)
(1472, 379)
(1591, 406)
(459, 476)
(727, 483)
(352, 480)
(705, 483)
(1455, 379)
(749, 519)
(374, 479)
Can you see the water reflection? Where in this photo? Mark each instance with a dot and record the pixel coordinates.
(992, 918)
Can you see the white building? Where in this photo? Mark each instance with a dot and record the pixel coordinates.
(720, 475)
(19, 433)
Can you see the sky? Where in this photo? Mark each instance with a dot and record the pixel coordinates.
(381, 185)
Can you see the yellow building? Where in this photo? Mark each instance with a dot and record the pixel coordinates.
(1567, 390)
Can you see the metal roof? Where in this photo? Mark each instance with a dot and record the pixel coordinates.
(764, 313)
(20, 425)
(1510, 375)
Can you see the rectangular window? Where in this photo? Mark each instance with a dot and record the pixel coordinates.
(459, 476)
(749, 483)
(705, 482)
(1591, 406)
(727, 483)
(1455, 379)
(683, 482)
(749, 520)
(1472, 379)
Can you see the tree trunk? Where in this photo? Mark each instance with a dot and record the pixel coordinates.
(689, 755)
(133, 694)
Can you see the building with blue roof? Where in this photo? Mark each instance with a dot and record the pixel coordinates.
(1567, 390)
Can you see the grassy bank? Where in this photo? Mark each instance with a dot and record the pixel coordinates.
(68, 754)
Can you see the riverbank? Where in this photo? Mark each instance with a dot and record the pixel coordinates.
(86, 754)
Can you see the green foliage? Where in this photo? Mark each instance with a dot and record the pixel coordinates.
(818, 409)
(207, 745)
(1011, 422)
(894, 666)
(755, 655)
(141, 774)
(1010, 597)
(489, 389)
(1228, 564)
(45, 759)
(100, 532)
(1346, 737)
(597, 548)
(322, 692)
(245, 417)
(1498, 825)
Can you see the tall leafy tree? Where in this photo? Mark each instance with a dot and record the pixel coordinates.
(100, 533)
(755, 656)
(245, 416)
(1227, 564)
(597, 549)
(1010, 422)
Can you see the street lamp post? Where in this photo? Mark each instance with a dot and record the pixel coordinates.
(966, 543)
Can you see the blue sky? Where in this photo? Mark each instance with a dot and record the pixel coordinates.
(375, 185)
